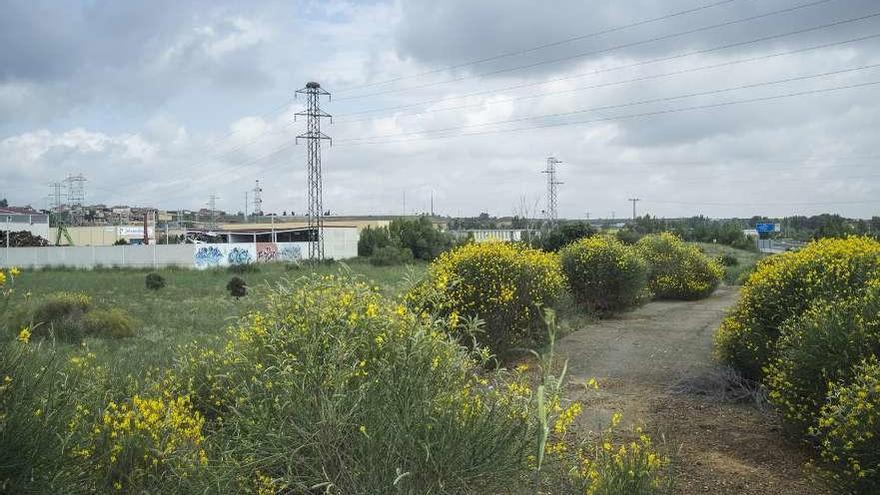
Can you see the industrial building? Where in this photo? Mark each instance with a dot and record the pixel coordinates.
(107, 235)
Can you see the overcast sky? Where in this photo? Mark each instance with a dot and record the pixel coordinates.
(721, 108)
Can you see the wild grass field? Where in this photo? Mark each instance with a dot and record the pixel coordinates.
(322, 379)
(496, 368)
(192, 306)
(745, 260)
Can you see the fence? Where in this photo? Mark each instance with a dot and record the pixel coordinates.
(161, 255)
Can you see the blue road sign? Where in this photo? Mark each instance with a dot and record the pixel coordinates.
(765, 228)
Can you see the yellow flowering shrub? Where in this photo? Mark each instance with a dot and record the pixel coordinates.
(366, 393)
(505, 285)
(604, 274)
(786, 285)
(848, 431)
(611, 463)
(634, 468)
(135, 443)
(677, 270)
(820, 347)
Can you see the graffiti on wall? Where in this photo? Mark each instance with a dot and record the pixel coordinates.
(207, 256)
(290, 252)
(267, 251)
(215, 255)
(239, 256)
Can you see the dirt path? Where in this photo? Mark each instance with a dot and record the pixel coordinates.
(723, 448)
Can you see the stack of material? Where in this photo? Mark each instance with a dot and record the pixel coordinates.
(22, 238)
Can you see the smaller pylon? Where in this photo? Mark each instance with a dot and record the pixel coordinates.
(552, 215)
(258, 199)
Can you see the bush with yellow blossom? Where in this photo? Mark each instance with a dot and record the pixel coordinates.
(819, 347)
(633, 467)
(677, 270)
(333, 385)
(140, 443)
(604, 274)
(848, 431)
(786, 285)
(614, 462)
(505, 285)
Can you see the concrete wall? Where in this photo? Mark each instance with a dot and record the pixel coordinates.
(92, 256)
(340, 244)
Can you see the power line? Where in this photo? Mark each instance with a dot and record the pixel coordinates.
(667, 58)
(624, 117)
(703, 51)
(763, 161)
(764, 203)
(232, 177)
(601, 51)
(632, 116)
(607, 107)
(600, 85)
(225, 170)
(543, 46)
(622, 105)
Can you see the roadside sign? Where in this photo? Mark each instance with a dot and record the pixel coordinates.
(765, 228)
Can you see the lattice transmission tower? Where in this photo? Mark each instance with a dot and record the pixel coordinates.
(552, 182)
(258, 199)
(55, 201)
(76, 197)
(313, 136)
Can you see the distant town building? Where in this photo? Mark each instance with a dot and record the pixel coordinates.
(485, 235)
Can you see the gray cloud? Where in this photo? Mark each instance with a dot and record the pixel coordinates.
(167, 103)
(456, 32)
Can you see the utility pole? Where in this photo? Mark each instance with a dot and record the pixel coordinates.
(313, 137)
(634, 201)
(552, 214)
(432, 202)
(245, 205)
(404, 202)
(146, 227)
(258, 199)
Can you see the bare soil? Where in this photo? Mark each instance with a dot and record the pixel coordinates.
(719, 448)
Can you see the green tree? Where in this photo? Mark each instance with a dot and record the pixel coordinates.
(420, 236)
(372, 239)
(562, 235)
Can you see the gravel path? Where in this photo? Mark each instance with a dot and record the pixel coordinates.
(636, 357)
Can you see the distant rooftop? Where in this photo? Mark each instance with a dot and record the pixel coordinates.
(19, 210)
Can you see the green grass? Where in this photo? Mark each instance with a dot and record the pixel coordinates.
(192, 306)
(733, 275)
